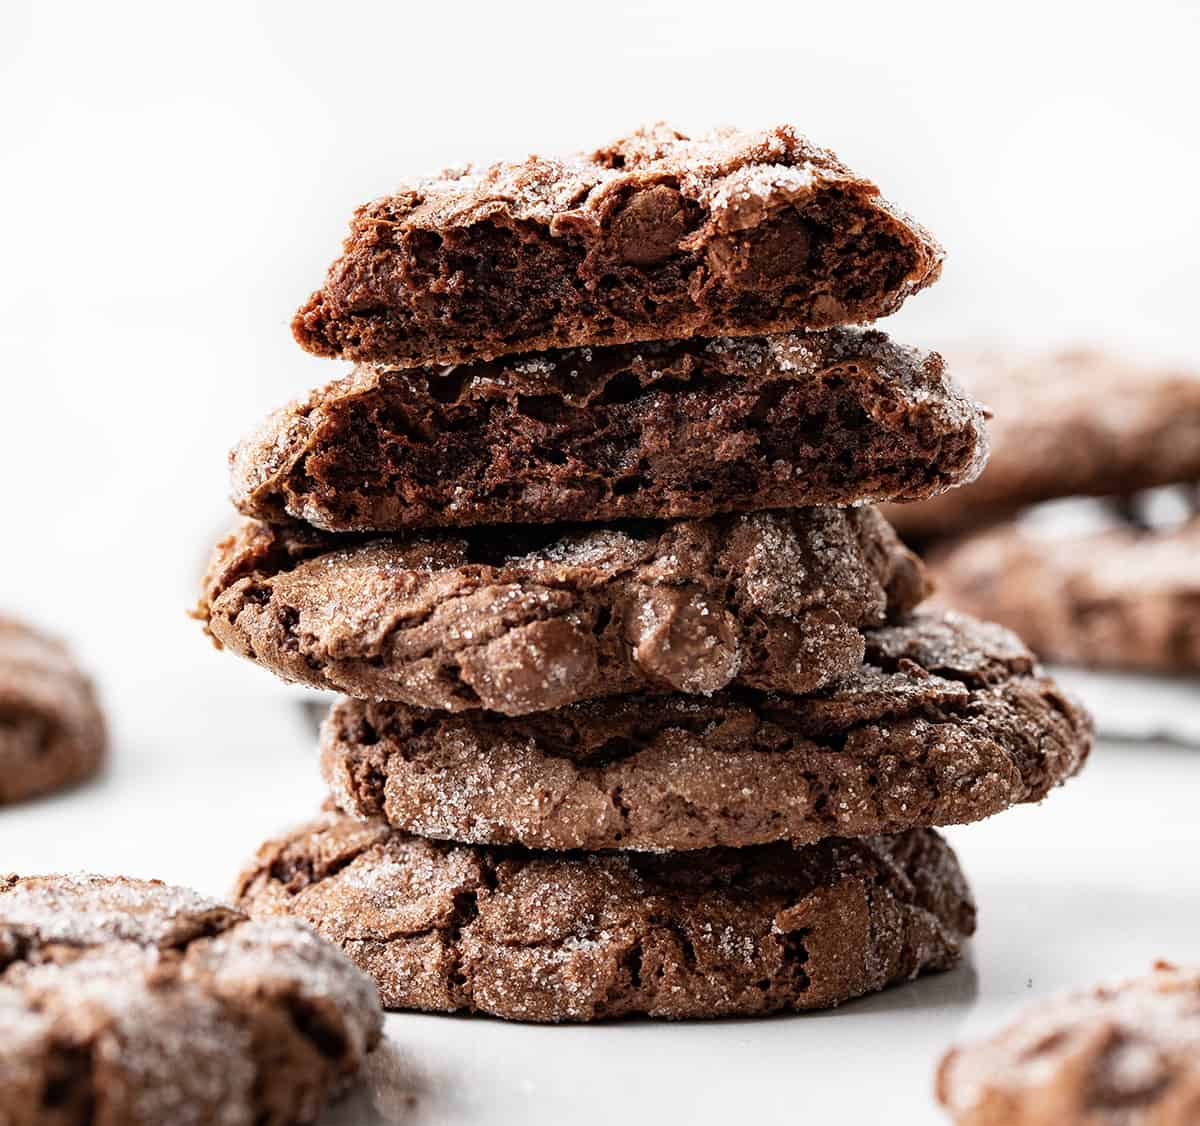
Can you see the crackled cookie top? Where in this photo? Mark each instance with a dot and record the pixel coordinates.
(549, 936)
(1123, 1055)
(895, 745)
(52, 732)
(657, 236)
(677, 429)
(518, 620)
(134, 1002)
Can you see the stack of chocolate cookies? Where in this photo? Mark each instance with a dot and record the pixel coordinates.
(641, 714)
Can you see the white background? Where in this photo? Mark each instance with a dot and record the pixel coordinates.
(174, 180)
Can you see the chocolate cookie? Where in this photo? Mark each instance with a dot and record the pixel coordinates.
(519, 620)
(1123, 599)
(578, 936)
(131, 1002)
(896, 745)
(52, 732)
(655, 237)
(1123, 1056)
(684, 428)
(1078, 423)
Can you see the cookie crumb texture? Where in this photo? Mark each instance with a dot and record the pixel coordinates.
(677, 429)
(576, 936)
(132, 1002)
(52, 731)
(520, 620)
(948, 721)
(1115, 1056)
(657, 236)
(1122, 599)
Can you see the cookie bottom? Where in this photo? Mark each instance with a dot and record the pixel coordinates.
(581, 936)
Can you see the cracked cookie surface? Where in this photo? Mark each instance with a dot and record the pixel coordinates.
(518, 620)
(135, 1002)
(674, 429)
(948, 721)
(1125, 1055)
(577, 936)
(52, 731)
(657, 236)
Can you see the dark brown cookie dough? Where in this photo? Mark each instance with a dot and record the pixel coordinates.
(1079, 423)
(578, 936)
(131, 1002)
(1127, 1055)
(52, 732)
(655, 237)
(518, 620)
(1120, 599)
(683, 428)
(892, 747)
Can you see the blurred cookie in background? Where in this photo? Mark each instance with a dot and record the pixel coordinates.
(1072, 423)
(1125, 595)
(1081, 534)
(52, 731)
(1125, 1054)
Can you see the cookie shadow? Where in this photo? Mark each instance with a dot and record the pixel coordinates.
(393, 1090)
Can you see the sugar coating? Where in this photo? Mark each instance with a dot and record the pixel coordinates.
(656, 236)
(584, 936)
(138, 1002)
(948, 721)
(519, 620)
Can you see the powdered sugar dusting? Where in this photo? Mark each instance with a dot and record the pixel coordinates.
(159, 990)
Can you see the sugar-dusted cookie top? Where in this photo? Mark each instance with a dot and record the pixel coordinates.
(554, 936)
(135, 1002)
(656, 236)
(520, 619)
(947, 721)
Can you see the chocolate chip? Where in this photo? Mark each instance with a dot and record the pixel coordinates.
(648, 228)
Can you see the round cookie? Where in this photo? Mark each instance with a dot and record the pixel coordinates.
(1076, 423)
(1126, 598)
(519, 620)
(676, 428)
(134, 1002)
(52, 732)
(578, 936)
(933, 737)
(1114, 1056)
